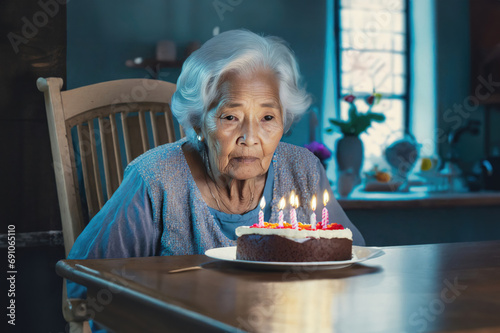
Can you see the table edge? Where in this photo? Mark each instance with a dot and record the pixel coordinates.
(93, 279)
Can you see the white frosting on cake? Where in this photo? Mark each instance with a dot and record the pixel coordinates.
(295, 234)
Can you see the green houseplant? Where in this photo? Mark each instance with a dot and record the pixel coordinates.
(358, 122)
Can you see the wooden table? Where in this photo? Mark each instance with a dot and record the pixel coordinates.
(439, 287)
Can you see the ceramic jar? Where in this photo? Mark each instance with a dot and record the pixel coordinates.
(349, 154)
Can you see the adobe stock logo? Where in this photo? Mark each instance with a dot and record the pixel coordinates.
(49, 8)
(225, 6)
(436, 307)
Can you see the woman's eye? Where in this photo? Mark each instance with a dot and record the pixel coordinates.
(268, 118)
(229, 117)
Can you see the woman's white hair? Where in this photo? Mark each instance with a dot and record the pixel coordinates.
(237, 51)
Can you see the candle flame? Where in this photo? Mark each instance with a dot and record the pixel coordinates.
(313, 203)
(292, 197)
(282, 203)
(262, 203)
(296, 203)
(326, 197)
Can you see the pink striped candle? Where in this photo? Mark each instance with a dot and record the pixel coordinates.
(324, 213)
(293, 213)
(292, 205)
(324, 218)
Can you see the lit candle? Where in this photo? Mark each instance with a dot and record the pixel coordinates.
(295, 205)
(293, 214)
(280, 215)
(313, 215)
(324, 215)
(261, 213)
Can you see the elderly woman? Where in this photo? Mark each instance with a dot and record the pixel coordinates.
(235, 98)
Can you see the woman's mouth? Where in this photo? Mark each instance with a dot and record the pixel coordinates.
(245, 159)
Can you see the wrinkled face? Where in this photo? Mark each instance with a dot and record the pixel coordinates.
(245, 127)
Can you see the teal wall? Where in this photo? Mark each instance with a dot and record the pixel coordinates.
(102, 35)
(453, 80)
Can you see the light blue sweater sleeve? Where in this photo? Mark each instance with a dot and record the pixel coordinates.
(123, 228)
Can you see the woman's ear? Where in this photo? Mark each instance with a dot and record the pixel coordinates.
(199, 134)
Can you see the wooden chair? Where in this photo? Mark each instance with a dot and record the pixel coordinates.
(95, 131)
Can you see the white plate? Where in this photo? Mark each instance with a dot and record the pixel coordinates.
(359, 254)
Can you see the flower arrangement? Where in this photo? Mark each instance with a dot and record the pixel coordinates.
(358, 122)
(320, 150)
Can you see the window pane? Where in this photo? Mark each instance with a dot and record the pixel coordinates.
(346, 40)
(373, 18)
(356, 82)
(384, 83)
(365, 40)
(396, 5)
(399, 85)
(359, 19)
(397, 22)
(398, 64)
(399, 42)
(383, 41)
(345, 18)
(367, 71)
(369, 62)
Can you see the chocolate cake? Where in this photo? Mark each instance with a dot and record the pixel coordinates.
(285, 244)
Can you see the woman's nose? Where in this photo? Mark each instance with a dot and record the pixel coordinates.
(248, 135)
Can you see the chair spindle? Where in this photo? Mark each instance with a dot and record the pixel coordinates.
(154, 125)
(85, 170)
(105, 155)
(116, 147)
(169, 123)
(95, 165)
(126, 137)
(144, 133)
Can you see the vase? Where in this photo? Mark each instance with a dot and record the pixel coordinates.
(349, 155)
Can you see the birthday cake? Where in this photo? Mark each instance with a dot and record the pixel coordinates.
(271, 242)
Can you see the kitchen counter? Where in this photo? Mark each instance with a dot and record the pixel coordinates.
(421, 217)
(417, 199)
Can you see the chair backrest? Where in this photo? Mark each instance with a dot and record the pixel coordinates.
(95, 131)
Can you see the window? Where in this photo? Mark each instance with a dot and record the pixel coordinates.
(372, 55)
